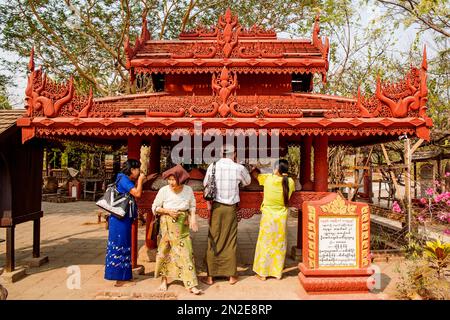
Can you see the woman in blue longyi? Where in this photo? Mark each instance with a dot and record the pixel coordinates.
(118, 254)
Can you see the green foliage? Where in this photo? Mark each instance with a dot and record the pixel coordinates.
(425, 272)
(4, 101)
(419, 281)
(86, 38)
(438, 255)
(414, 247)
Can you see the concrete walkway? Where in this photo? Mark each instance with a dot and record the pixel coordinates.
(73, 240)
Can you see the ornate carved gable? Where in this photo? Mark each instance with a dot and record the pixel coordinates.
(405, 98)
(47, 98)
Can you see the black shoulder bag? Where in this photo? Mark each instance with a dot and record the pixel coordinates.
(117, 204)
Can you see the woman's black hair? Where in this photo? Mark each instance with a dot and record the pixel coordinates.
(128, 165)
(283, 167)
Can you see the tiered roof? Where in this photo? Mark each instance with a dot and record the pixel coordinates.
(252, 50)
(223, 55)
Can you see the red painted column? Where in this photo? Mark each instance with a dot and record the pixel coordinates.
(154, 167)
(305, 164)
(134, 150)
(321, 163)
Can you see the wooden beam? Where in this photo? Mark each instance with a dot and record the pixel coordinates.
(10, 257)
(390, 167)
(415, 179)
(416, 145)
(36, 238)
(408, 155)
(394, 179)
(359, 178)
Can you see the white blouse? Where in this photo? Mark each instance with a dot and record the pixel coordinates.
(167, 199)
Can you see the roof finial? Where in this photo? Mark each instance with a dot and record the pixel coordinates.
(316, 30)
(317, 23)
(424, 58)
(145, 35)
(31, 62)
(228, 14)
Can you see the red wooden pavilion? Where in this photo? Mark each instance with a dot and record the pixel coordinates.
(230, 77)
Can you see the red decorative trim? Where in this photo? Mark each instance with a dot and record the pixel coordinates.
(180, 113)
(224, 86)
(248, 69)
(281, 115)
(84, 113)
(209, 114)
(28, 133)
(148, 131)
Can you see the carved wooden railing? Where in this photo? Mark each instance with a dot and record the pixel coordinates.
(249, 205)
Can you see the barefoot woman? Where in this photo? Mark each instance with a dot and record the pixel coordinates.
(118, 255)
(175, 203)
(271, 246)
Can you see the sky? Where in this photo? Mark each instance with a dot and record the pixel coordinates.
(407, 36)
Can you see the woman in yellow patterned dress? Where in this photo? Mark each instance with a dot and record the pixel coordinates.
(175, 203)
(272, 241)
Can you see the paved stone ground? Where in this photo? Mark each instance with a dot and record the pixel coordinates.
(71, 236)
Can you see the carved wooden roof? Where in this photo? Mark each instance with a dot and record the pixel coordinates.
(251, 50)
(56, 109)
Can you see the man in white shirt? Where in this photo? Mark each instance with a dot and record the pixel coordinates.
(222, 238)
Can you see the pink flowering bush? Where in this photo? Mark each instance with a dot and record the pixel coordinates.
(434, 208)
(396, 207)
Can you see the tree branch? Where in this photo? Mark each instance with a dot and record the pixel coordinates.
(412, 11)
(186, 18)
(98, 37)
(66, 51)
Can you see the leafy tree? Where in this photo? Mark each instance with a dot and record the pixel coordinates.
(429, 14)
(432, 16)
(4, 101)
(86, 38)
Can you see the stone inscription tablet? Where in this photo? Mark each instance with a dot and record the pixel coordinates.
(337, 242)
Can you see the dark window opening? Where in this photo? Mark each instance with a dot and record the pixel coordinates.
(158, 82)
(301, 82)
